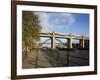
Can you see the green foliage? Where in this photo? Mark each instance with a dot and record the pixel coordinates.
(30, 28)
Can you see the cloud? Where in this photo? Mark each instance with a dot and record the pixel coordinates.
(44, 21)
(57, 22)
(62, 20)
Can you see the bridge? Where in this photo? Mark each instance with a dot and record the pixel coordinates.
(53, 36)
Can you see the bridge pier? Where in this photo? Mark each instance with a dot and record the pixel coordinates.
(86, 43)
(69, 42)
(53, 41)
(81, 42)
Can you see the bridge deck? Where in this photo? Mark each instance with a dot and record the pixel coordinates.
(60, 35)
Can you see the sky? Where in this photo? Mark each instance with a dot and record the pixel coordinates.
(63, 22)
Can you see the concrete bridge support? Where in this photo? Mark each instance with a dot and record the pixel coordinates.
(86, 43)
(53, 46)
(69, 42)
(81, 42)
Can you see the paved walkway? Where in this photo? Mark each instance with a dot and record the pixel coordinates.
(45, 59)
(36, 59)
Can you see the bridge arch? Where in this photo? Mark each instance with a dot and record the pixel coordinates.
(44, 42)
(61, 42)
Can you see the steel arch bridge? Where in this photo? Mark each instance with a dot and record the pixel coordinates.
(59, 42)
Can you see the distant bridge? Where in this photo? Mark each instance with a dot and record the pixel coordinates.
(69, 38)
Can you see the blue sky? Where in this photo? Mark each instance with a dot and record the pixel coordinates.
(76, 23)
(63, 22)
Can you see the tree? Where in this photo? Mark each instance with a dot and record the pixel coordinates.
(30, 29)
